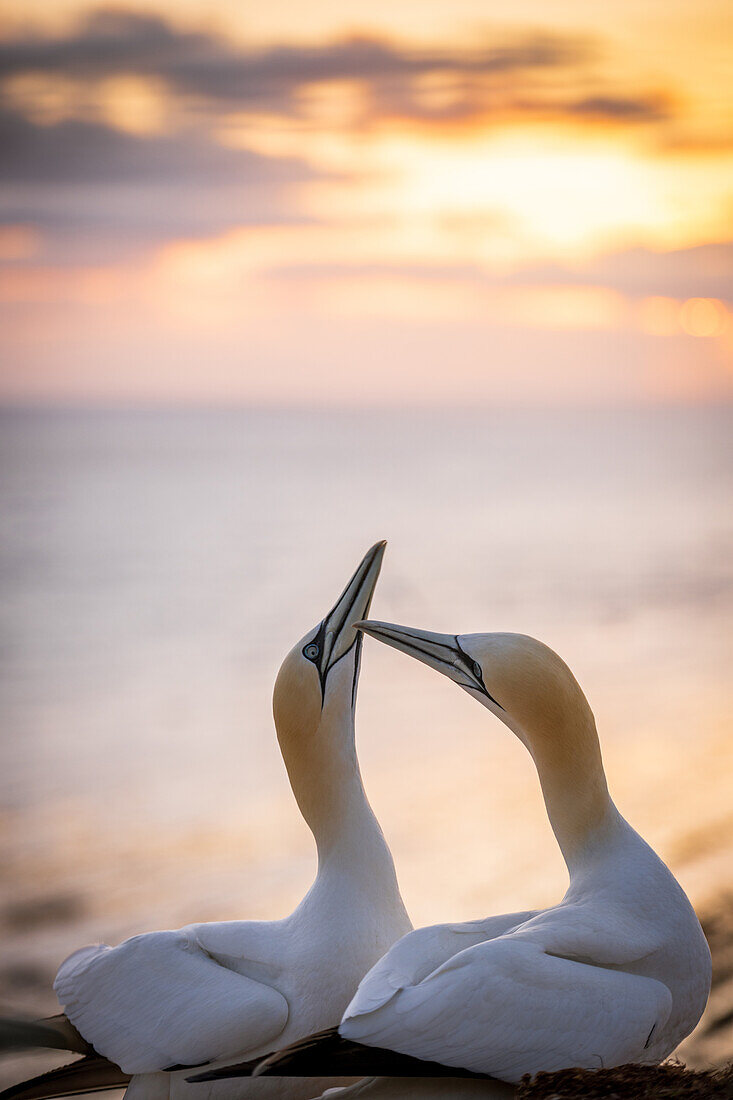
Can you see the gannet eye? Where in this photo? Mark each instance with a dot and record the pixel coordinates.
(311, 651)
(477, 670)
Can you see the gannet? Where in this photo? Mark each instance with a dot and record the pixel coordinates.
(177, 999)
(619, 971)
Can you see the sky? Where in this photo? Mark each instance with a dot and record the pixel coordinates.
(372, 203)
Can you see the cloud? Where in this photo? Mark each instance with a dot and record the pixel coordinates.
(88, 224)
(96, 191)
(462, 83)
(75, 151)
(113, 41)
(73, 167)
(105, 41)
(704, 271)
(643, 108)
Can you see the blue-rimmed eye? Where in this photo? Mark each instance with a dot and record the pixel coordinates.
(311, 651)
(477, 670)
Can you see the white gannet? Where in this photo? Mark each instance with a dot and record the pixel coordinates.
(618, 972)
(208, 992)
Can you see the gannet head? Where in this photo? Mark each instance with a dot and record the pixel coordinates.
(534, 693)
(317, 681)
(520, 680)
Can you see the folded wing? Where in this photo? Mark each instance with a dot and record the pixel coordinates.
(159, 1000)
(422, 951)
(506, 1008)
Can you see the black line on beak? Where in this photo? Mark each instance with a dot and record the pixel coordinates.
(478, 676)
(467, 664)
(346, 623)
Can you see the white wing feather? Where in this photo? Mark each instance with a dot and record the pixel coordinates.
(507, 1008)
(420, 952)
(159, 1000)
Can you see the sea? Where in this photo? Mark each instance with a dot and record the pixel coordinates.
(157, 565)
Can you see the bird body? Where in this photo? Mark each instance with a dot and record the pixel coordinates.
(209, 991)
(262, 983)
(170, 1000)
(619, 971)
(616, 973)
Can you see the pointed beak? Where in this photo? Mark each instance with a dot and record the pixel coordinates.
(339, 630)
(443, 652)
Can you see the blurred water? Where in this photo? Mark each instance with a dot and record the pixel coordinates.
(157, 566)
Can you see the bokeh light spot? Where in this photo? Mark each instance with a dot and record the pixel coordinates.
(703, 317)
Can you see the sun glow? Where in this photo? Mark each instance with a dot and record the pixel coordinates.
(519, 195)
(560, 192)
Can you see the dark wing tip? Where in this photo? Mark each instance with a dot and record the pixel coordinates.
(247, 1069)
(90, 1074)
(237, 1069)
(298, 1059)
(328, 1054)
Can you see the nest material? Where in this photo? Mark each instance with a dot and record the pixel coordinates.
(668, 1082)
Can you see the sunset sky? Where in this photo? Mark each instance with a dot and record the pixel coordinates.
(374, 202)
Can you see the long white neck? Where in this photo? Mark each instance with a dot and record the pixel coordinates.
(326, 780)
(574, 787)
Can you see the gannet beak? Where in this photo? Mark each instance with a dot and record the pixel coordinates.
(442, 652)
(338, 629)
